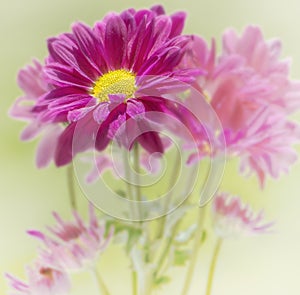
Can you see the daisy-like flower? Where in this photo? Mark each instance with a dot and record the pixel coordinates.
(73, 245)
(42, 279)
(100, 77)
(248, 87)
(233, 218)
(32, 81)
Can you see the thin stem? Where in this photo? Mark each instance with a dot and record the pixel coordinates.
(71, 187)
(136, 163)
(168, 200)
(134, 283)
(101, 285)
(195, 251)
(165, 253)
(136, 166)
(130, 194)
(213, 266)
(133, 208)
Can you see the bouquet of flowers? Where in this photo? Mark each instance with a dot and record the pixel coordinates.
(144, 118)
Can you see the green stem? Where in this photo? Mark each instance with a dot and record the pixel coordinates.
(166, 251)
(134, 283)
(130, 194)
(168, 200)
(195, 251)
(136, 163)
(101, 285)
(71, 187)
(132, 208)
(213, 266)
(136, 166)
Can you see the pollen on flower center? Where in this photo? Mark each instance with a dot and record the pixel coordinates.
(114, 82)
(47, 272)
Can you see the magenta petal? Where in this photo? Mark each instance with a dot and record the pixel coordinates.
(144, 37)
(102, 164)
(78, 114)
(178, 20)
(63, 153)
(77, 137)
(162, 30)
(134, 108)
(130, 22)
(102, 139)
(31, 131)
(20, 110)
(101, 112)
(71, 100)
(59, 92)
(117, 128)
(47, 145)
(158, 9)
(143, 15)
(61, 75)
(37, 234)
(136, 44)
(117, 98)
(151, 142)
(115, 41)
(162, 62)
(31, 81)
(91, 47)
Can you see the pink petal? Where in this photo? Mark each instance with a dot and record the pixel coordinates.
(47, 146)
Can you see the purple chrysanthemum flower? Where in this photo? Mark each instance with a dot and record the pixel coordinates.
(119, 69)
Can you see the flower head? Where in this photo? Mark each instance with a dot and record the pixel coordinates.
(101, 77)
(233, 218)
(248, 87)
(41, 280)
(74, 245)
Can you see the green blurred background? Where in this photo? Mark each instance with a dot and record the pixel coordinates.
(262, 265)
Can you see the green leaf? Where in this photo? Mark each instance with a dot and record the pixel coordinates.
(161, 280)
(181, 257)
(133, 233)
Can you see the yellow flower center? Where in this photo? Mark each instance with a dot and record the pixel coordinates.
(114, 82)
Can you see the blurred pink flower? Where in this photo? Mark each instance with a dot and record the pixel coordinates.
(233, 218)
(42, 280)
(74, 245)
(32, 81)
(248, 87)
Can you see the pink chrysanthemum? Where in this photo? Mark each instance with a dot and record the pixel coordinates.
(233, 218)
(74, 245)
(248, 87)
(102, 76)
(32, 81)
(42, 280)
